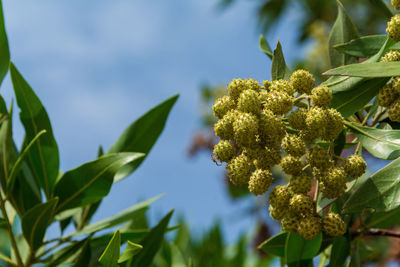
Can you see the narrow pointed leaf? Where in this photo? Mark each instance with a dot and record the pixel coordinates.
(350, 101)
(91, 181)
(365, 46)
(131, 250)
(4, 50)
(65, 254)
(380, 192)
(43, 156)
(84, 256)
(35, 222)
(340, 251)
(279, 69)
(142, 134)
(383, 144)
(298, 249)
(383, 7)
(275, 245)
(151, 243)
(368, 70)
(8, 154)
(110, 256)
(342, 31)
(122, 217)
(264, 46)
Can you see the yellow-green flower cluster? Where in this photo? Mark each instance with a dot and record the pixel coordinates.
(389, 97)
(260, 127)
(396, 4)
(393, 28)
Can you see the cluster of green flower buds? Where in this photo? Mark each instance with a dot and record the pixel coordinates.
(389, 95)
(280, 122)
(396, 4)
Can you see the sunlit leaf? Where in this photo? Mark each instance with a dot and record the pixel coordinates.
(298, 248)
(279, 69)
(110, 256)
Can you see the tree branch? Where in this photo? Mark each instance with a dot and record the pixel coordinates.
(376, 232)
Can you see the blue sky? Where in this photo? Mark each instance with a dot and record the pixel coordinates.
(98, 65)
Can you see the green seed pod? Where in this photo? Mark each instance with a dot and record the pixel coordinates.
(320, 174)
(321, 96)
(237, 86)
(271, 129)
(393, 28)
(396, 4)
(319, 157)
(283, 86)
(260, 182)
(291, 165)
(333, 225)
(222, 106)
(302, 81)
(394, 110)
(279, 102)
(264, 157)
(302, 204)
(224, 151)
(316, 122)
(300, 184)
(297, 119)
(334, 185)
(334, 122)
(280, 196)
(239, 170)
(245, 128)
(249, 101)
(387, 95)
(277, 213)
(354, 166)
(309, 227)
(392, 55)
(290, 222)
(293, 145)
(224, 127)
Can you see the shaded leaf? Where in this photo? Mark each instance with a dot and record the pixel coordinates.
(91, 181)
(110, 256)
(339, 252)
(135, 235)
(264, 46)
(382, 6)
(367, 70)
(124, 216)
(8, 154)
(35, 222)
(4, 50)
(43, 156)
(83, 259)
(380, 192)
(365, 46)
(279, 69)
(131, 250)
(275, 245)
(65, 254)
(381, 143)
(151, 243)
(350, 101)
(298, 249)
(142, 134)
(343, 30)
(384, 220)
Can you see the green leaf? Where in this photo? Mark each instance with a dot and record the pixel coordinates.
(340, 251)
(131, 250)
(121, 217)
(43, 156)
(110, 255)
(91, 181)
(8, 154)
(275, 245)
(152, 243)
(35, 221)
(365, 46)
(298, 249)
(381, 143)
(384, 220)
(279, 69)
(142, 134)
(135, 235)
(380, 192)
(382, 6)
(367, 70)
(4, 50)
(65, 254)
(264, 46)
(84, 256)
(355, 256)
(342, 31)
(18, 164)
(350, 101)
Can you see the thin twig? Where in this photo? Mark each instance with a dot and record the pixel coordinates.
(376, 232)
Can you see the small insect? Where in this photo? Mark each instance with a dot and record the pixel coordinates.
(215, 161)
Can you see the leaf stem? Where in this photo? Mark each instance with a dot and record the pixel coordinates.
(10, 232)
(7, 259)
